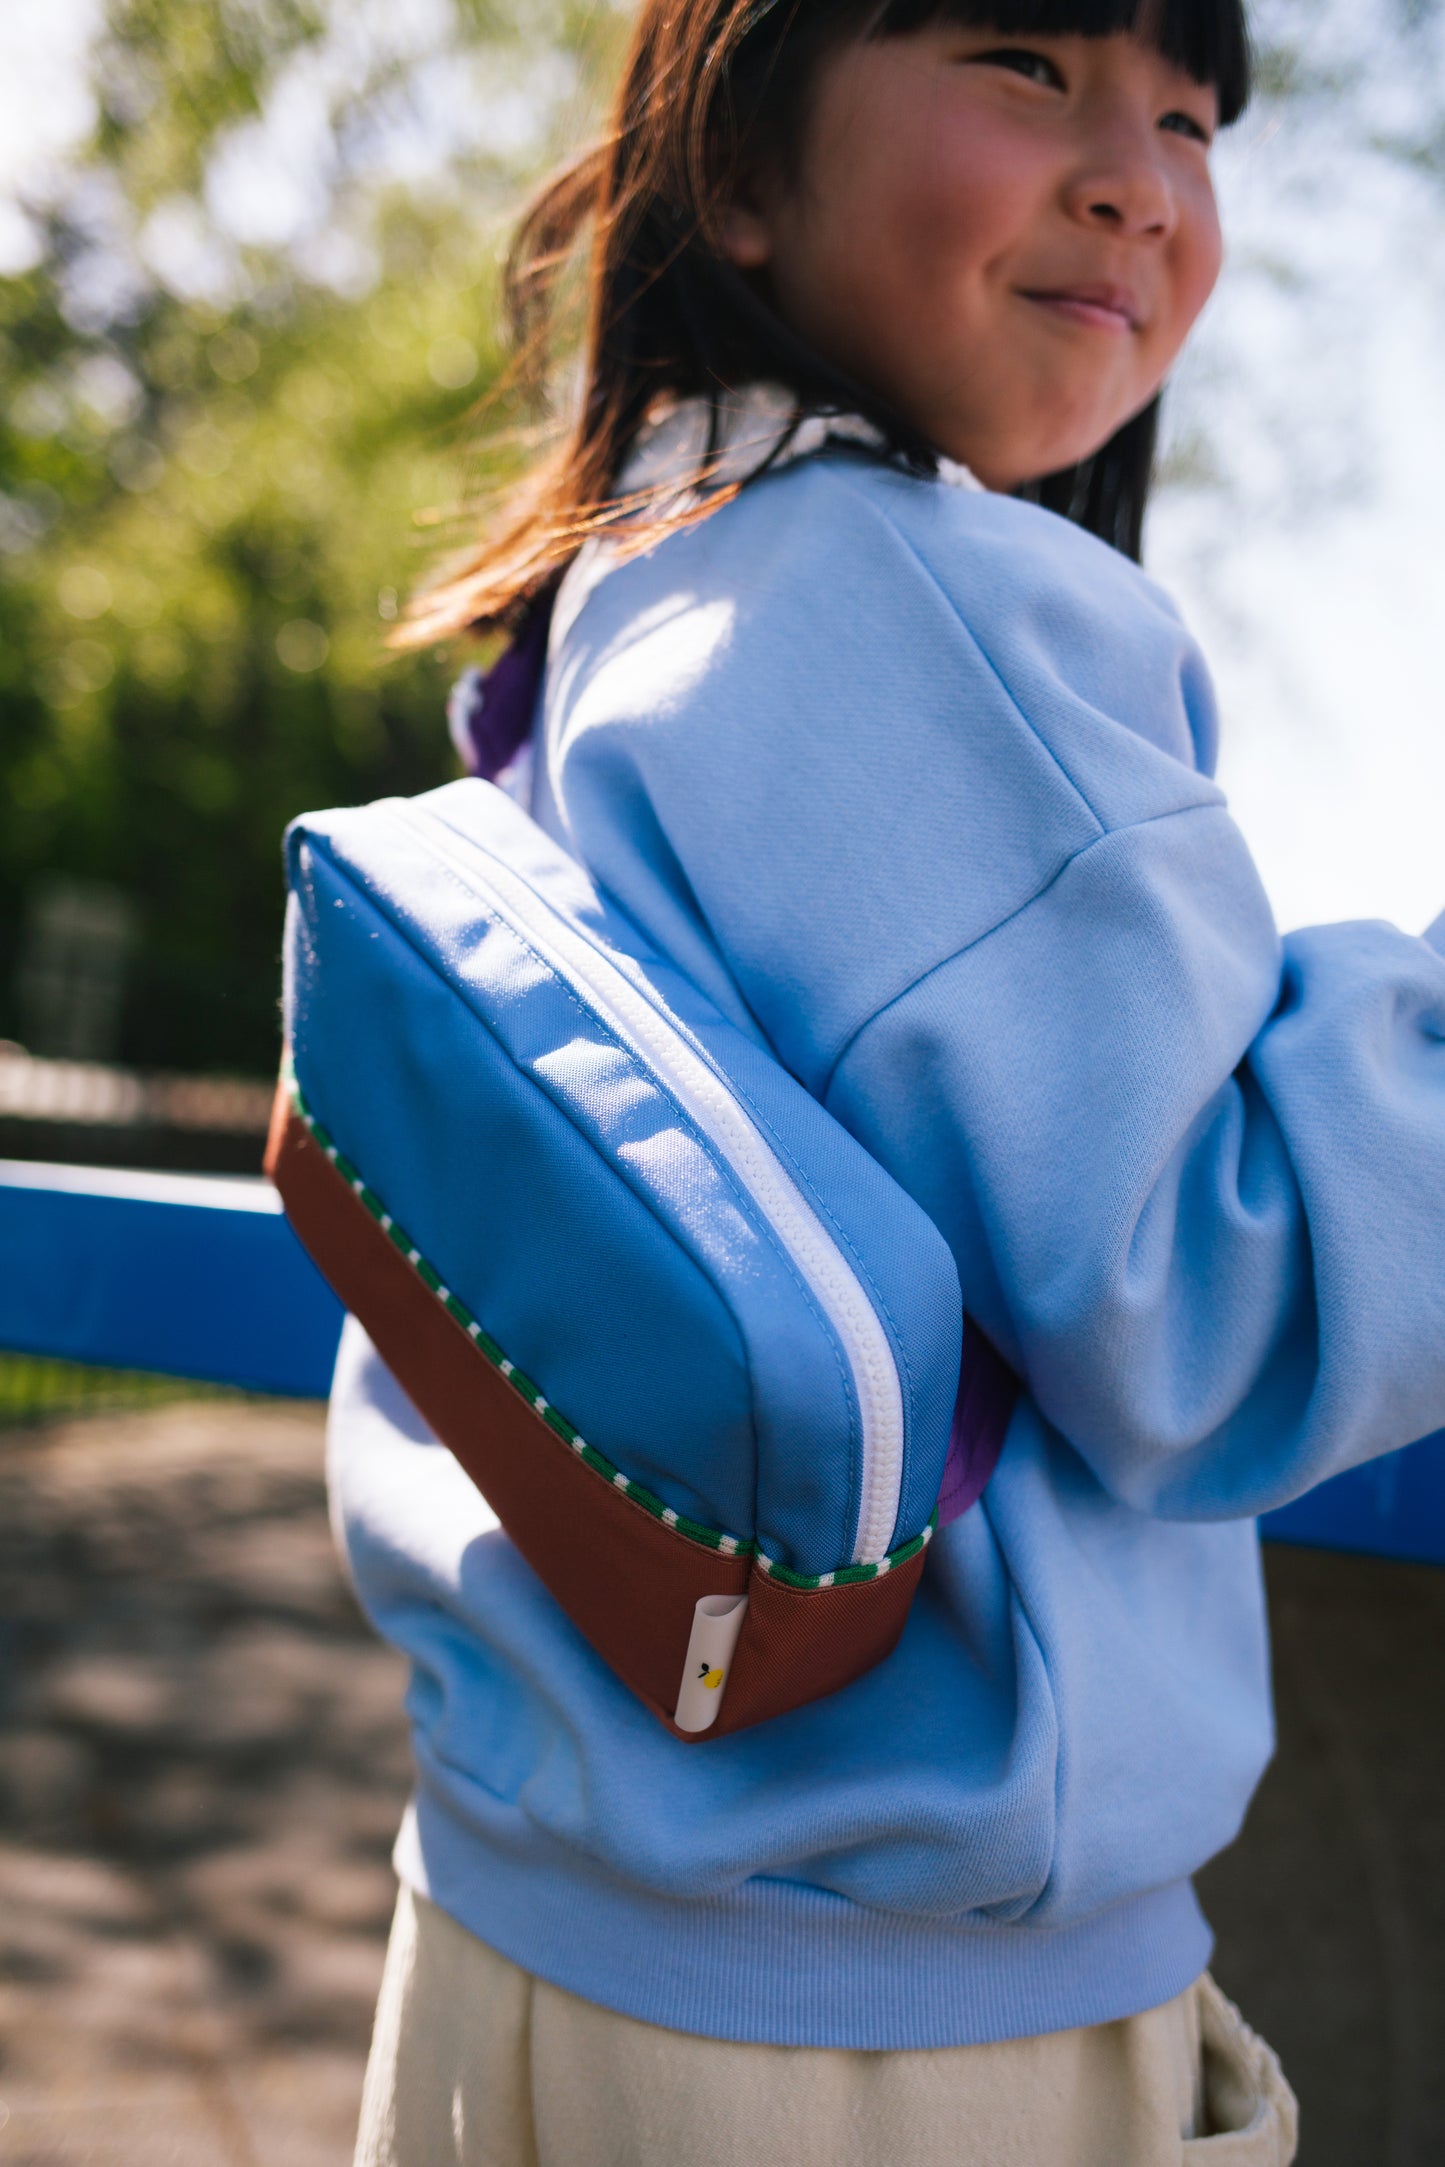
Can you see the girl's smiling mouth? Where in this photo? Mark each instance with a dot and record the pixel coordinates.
(1102, 308)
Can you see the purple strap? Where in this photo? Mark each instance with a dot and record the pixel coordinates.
(987, 1389)
(490, 711)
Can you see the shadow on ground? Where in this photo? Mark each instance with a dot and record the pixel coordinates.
(202, 1763)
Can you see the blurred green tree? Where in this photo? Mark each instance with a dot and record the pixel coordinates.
(240, 382)
(234, 430)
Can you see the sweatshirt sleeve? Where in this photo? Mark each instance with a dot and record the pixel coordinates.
(919, 780)
(1194, 1177)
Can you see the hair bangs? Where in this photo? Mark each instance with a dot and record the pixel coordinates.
(1208, 39)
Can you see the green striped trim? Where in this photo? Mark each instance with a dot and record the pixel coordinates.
(710, 1538)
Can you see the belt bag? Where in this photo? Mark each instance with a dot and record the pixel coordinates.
(701, 1354)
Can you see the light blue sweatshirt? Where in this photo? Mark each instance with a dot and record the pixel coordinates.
(916, 782)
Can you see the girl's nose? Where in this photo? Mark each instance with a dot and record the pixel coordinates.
(1125, 192)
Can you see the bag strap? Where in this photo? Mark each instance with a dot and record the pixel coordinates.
(490, 712)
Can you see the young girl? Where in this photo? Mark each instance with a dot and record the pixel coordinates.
(857, 705)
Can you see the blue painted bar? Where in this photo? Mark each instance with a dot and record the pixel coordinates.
(200, 1276)
(1393, 1508)
(190, 1275)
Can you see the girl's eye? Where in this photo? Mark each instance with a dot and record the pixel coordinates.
(1020, 61)
(1185, 124)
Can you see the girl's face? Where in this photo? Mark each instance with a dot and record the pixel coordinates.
(1005, 237)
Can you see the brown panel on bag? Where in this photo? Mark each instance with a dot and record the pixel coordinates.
(826, 1637)
(628, 1582)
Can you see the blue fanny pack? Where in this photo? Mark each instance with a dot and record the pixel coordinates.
(705, 1358)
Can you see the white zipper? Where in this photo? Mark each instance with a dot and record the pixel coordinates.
(703, 1094)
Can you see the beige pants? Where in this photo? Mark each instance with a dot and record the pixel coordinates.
(475, 2063)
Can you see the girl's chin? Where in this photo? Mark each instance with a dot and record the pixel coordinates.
(1003, 477)
(1020, 467)
(1005, 457)
(1056, 426)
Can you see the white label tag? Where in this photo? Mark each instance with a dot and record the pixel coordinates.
(716, 1622)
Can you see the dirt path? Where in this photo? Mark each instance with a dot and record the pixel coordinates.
(203, 1760)
(202, 1763)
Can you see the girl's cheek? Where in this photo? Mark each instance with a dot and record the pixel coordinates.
(984, 181)
(1203, 261)
(1205, 232)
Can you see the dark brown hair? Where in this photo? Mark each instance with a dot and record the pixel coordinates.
(708, 85)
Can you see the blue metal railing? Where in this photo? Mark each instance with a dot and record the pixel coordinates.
(1391, 1508)
(192, 1275)
(200, 1276)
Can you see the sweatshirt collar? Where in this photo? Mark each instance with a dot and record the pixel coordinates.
(761, 426)
(758, 427)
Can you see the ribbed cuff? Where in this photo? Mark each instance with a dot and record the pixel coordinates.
(790, 1965)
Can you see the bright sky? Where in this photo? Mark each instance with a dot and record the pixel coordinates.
(44, 103)
(1325, 645)
(1316, 585)
(1317, 592)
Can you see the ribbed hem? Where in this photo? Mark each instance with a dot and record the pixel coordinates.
(781, 1963)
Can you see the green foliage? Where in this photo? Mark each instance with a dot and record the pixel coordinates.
(209, 504)
(172, 78)
(34, 1389)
